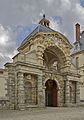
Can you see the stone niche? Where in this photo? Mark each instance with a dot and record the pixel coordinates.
(30, 89)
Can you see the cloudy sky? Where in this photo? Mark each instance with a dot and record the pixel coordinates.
(19, 17)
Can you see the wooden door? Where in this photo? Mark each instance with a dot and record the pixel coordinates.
(51, 93)
(54, 97)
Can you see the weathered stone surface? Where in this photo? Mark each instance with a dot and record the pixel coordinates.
(45, 56)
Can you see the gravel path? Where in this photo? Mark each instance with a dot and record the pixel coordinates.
(45, 114)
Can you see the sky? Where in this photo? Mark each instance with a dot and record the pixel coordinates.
(19, 17)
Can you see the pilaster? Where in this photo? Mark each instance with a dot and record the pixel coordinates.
(40, 92)
(77, 92)
(11, 89)
(67, 93)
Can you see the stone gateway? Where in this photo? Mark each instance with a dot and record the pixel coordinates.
(41, 74)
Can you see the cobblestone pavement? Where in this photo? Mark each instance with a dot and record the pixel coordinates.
(45, 114)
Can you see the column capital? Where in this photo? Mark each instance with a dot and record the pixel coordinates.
(20, 75)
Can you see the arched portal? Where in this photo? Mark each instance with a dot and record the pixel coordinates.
(53, 58)
(51, 93)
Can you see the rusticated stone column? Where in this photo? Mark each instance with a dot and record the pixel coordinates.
(67, 93)
(44, 87)
(40, 92)
(21, 95)
(77, 92)
(11, 89)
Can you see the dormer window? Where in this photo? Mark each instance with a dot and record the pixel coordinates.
(77, 62)
(76, 47)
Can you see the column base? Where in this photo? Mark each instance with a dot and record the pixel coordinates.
(21, 107)
(67, 104)
(72, 105)
(41, 105)
(79, 104)
(11, 106)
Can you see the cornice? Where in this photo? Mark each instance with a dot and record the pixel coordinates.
(79, 52)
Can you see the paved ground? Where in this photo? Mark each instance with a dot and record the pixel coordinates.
(47, 114)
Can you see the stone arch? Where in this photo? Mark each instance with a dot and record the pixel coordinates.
(49, 43)
(54, 55)
(52, 78)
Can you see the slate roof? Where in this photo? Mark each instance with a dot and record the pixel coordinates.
(81, 44)
(44, 29)
(39, 28)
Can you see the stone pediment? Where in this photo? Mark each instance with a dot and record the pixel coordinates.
(54, 36)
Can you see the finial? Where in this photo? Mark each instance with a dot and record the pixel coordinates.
(43, 15)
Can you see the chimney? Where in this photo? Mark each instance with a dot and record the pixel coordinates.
(77, 32)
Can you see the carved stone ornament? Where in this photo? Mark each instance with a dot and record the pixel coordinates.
(28, 77)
